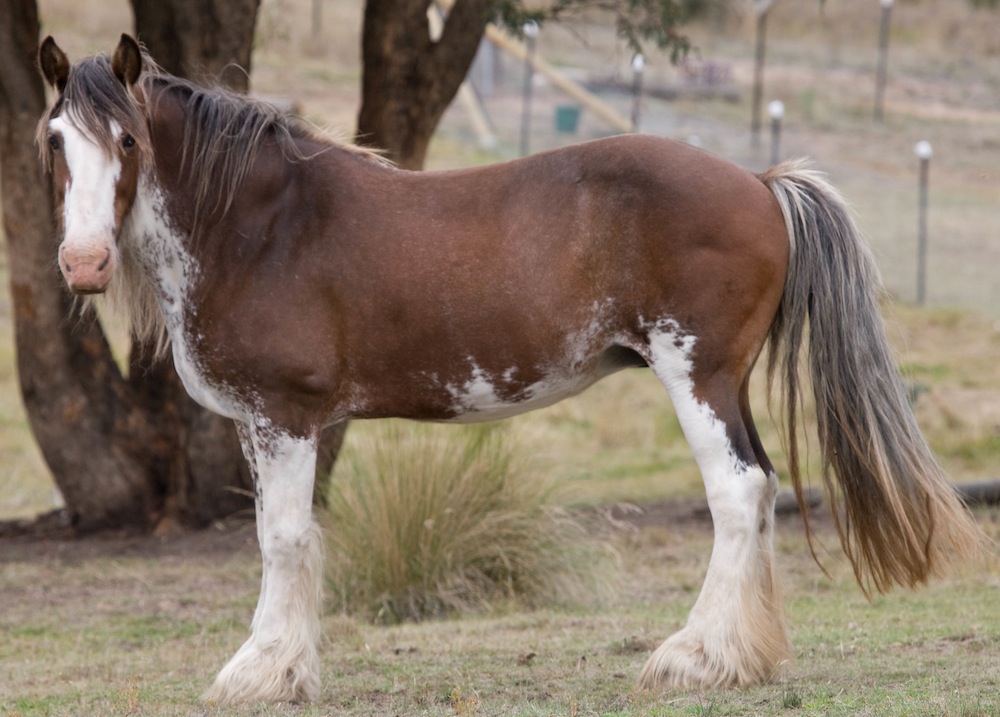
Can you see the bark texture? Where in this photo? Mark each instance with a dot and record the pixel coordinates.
(76, 399)
(125, 450)
(409, 79)
(202, 40)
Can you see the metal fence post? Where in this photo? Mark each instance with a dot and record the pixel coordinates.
(883, 59)
(530, 30)
(776, 109)
(923, 150)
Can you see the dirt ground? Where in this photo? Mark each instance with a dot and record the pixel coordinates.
(50, 538)
(47, 540)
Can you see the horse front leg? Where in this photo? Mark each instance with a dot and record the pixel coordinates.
(735, 634)
(280, 662)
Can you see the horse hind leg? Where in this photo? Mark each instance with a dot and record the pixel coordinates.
(279, 662)
(735, 634)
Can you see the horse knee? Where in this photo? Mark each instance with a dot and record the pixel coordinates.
(744, 501)
(286, 543)
(290, 544)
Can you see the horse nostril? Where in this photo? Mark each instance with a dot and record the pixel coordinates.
(107, 258)
(67, 267)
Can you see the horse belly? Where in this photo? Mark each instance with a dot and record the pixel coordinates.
(483, 398)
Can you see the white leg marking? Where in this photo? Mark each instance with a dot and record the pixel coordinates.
(735, 634)
(245, 434)
(280, 662)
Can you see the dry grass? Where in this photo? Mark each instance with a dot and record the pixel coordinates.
(424, 523)
(91, 630)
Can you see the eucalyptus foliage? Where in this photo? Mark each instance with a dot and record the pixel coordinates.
(638, 22)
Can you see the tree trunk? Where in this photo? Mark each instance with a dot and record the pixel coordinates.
(408, 79)
(202, 40)
(75, 397)
(125, 452)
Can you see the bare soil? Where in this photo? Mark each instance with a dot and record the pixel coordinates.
(48, 539)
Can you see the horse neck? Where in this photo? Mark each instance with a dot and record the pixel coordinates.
(156, 271)
(155, 247)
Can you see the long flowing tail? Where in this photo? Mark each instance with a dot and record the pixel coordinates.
(898, 516)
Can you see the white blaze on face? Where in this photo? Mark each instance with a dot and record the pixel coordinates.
(88, 251)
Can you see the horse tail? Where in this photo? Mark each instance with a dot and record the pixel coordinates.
(899, 518)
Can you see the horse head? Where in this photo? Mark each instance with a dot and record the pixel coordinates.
(94, 140)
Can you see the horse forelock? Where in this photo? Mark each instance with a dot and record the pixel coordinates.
(97, 103)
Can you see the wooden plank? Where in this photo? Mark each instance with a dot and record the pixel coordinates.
(985, 492)
(588, 100)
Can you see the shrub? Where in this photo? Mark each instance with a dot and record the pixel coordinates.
(425, 521)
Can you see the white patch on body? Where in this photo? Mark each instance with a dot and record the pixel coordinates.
(476, 400)
(581, 344)
(89, 201)
(173, 272)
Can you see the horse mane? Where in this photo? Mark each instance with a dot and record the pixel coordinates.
(93, 96)
(223, 135)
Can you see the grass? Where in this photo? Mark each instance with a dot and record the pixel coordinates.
(98, 634)
(425, 523)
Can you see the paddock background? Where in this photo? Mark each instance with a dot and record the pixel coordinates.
(126, 626)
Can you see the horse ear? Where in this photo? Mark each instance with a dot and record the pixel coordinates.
(126, 63)
(53, 63)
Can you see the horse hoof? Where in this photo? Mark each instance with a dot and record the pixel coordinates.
(687, 661)
(255, 675)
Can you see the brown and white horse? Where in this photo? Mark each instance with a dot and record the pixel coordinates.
(301, 282)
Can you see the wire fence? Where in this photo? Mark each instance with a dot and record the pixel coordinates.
(873, 164)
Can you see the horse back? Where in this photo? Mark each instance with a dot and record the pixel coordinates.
(525, 281)
(549, 264)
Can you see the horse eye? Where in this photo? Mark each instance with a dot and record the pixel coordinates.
(54, 142)
(128, 141)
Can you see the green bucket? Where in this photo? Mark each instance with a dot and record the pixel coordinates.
(567, 118)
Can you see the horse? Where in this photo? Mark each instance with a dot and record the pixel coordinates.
(299, 281)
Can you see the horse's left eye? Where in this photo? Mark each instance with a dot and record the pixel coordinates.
(54, 142)
(128, 141)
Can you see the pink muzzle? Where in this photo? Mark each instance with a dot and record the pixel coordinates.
(87, 267)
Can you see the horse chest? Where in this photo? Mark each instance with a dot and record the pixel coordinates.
(212, 394)
(173, 274)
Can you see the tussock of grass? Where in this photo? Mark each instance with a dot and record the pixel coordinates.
(426, 521)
